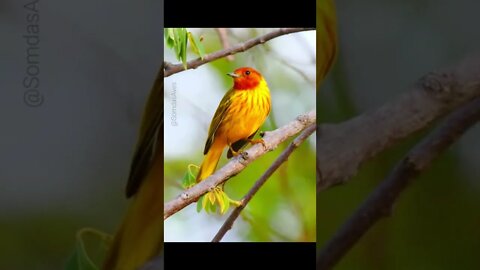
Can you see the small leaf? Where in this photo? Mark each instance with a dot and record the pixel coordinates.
(212, 208)
(197, 46)
(199, 204)
(169, 37)
(211, 197)
(91, 245)
(221, 203)
(184, 40)
(204, 202)
(227, 201)
(177, 39)
(186, 181)
(189, 179)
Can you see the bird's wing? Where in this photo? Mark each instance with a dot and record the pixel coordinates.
(148, 137)
(218, 119)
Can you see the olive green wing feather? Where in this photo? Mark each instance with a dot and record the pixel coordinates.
(218, 118)
(148, 137)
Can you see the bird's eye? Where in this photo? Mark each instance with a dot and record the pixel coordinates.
(247, 72)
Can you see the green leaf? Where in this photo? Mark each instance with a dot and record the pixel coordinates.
(184, 40)
(212, 207)
(90, 250)
(221, 203)
(204, 202)
(199, 204)
(197, 46)
(177, 39)
(227, 201)
(169, 37)
(189, 178)
(211, 197)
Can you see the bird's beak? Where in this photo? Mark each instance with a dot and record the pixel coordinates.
(233, 75)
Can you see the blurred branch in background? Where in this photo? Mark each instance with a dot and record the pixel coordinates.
(223, 36)
(271, 138)
(433, 96)
(379, 204)
(276, 164)
(157, 263)
(175, 68)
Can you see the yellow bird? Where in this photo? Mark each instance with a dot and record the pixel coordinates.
(237, 119)
(140, 235)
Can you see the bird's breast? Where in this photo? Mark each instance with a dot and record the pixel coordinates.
(246, 114)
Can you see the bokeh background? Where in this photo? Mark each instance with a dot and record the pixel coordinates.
(284, 208)
(384, 48)
(64, 165)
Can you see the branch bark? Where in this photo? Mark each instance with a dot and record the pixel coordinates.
(272, 140)
(379, 204)
(276, 164)
(171, 69)
(433, 96)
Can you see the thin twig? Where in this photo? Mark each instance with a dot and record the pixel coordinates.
(222, 34)
(175, 68)
(432, 97)
(379, 204)
(272, 139)
(279, 161)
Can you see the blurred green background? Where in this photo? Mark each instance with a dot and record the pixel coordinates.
(284, 208)
(64, 164)
(384, 48)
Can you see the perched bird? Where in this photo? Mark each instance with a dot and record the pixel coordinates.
(140, 235)
(239, 115)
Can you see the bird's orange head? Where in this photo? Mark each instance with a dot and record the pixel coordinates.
(245, 78)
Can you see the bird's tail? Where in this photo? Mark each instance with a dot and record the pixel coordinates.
(210, 161)
(140, 235)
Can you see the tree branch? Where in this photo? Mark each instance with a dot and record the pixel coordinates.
(272, 140)
(276, 164)
(379, 204)
(175, 68)
(435, 95)
(223, 36)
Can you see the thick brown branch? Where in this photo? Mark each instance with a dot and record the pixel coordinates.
(379, 204)
(175, 68)
(279, 161)
(272, 140)
(367, 135)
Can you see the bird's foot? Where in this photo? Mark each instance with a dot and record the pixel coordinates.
(255, 141)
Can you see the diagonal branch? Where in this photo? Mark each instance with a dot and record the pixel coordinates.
(379, 204)
(272, 140)
(279, 161)
(175, 68)
(435, 95)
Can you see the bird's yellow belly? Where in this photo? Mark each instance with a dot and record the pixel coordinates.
(241, 128)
